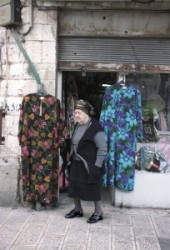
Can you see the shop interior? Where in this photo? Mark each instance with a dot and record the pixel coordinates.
(155, 97)
(154, 89)
(89, 86)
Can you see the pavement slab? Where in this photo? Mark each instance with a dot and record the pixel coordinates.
(121, 229)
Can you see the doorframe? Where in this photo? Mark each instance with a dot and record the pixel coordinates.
(59, 85)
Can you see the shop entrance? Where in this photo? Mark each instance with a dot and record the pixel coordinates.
(89, 86)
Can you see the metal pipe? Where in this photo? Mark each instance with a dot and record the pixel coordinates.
(31, 65)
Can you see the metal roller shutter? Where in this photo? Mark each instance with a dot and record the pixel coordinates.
(137, 51)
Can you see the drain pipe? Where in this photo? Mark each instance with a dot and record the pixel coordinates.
(31, 65)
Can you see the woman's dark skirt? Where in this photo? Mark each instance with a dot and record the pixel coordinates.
(79, 186)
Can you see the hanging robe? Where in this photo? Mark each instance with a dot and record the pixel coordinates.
(121, 119)
(40, 136)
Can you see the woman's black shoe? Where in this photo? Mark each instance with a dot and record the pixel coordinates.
(73, 213)
(95, 218)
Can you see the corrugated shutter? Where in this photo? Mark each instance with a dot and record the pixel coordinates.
(115, 50)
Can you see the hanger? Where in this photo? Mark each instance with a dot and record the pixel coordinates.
(121, 80)
(41, 90)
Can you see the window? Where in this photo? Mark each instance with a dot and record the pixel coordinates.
(155, 92)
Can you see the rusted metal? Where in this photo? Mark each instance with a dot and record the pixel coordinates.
(115, 53)
(115, 23)
(104, 67)
(107, 5)
(117, 40)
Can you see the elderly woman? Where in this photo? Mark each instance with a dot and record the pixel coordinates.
(88, 151)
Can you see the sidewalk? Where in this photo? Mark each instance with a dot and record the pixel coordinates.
(122, 229)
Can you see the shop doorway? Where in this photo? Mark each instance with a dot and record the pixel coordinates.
(89, 86)
(154, 89)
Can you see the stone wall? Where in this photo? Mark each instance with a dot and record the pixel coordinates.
(17, 80)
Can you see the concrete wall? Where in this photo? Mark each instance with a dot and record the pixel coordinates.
(151, 190)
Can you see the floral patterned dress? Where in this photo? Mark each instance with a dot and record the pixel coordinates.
(121, 119)
(40, 136)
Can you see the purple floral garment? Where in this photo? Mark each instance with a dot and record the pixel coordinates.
(40, 133)
(121, 119)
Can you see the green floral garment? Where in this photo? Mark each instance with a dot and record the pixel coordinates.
(40, 136)
(121, 119)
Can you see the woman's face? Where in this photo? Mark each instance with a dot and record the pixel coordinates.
(80, 116)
